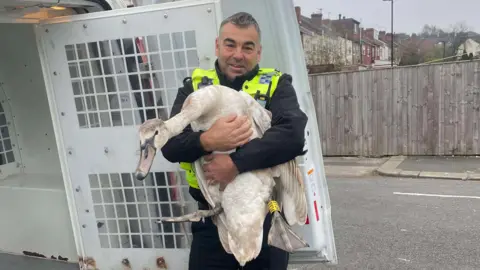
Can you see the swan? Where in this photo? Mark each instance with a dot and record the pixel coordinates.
(239, 210)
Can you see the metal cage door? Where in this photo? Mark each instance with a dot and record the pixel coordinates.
(109, 72)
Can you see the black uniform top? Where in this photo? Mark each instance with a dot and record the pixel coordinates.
(282, 142)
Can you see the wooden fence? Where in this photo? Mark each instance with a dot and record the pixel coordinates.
(427, 110)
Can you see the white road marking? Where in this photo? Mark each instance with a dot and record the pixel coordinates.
(402, 259)
(436, 195)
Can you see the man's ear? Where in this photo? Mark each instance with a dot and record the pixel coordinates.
(259, 53)
(217, 47)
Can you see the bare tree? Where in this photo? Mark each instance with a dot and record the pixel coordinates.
(459, 27)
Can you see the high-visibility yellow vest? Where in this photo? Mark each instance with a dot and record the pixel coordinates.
(261, 88)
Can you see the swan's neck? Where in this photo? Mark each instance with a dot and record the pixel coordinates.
(179, 122)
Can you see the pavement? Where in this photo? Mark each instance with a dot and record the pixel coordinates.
(445, 167)
(351, 166)
(440, 167)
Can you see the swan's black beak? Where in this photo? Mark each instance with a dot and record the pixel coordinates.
(147, 155)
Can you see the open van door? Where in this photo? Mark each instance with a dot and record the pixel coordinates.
(107, 72)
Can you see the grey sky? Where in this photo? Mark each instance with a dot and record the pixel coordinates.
(409, 15)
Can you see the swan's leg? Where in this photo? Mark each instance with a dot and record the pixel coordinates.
(281, 234)
(195, 216)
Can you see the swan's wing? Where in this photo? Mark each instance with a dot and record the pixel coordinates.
(206, 98)
(261, 117)
(292, 190)
(220, 222)
(202, 182)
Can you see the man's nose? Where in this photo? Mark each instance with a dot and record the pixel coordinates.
(238, 55)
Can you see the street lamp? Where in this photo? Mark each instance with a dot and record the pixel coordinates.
(391, 36)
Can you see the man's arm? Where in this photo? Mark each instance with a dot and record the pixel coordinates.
(284, 140)
(186, 146)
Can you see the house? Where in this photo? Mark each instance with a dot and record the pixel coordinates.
(384, 50)
(368, 51)
(383, 55)
(348, 28)
(343, 42)
(380, 55)
(468, 47)
(322, 45)
(387, 38)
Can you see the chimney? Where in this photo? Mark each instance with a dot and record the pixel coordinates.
(381, 35)
(298, 11)
(317, 18)
(369, 32)
(339, 16)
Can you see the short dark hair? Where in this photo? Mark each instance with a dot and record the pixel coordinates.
(242, 19)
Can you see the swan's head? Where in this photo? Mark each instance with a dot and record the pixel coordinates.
(153, 135)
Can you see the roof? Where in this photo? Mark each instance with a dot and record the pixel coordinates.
(372, 41)
(342, 27)
(367, 40)
(306, 30)
(307, 24)
(344, 20)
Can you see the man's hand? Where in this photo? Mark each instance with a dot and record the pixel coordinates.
(220, 169)
(227, 133)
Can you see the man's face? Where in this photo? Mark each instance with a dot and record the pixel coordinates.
(238, 50)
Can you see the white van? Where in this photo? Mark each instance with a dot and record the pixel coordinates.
(77, 77)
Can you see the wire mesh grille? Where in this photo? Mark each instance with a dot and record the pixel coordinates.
(6, 150)
(126, 81)
(126, 210)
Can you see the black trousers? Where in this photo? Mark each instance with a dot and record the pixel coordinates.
(207, 252)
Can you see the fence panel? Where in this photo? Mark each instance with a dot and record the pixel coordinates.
(424, 110)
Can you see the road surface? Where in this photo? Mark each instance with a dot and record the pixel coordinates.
(386, 223)
(394, 223)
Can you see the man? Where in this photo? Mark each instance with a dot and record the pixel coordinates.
(238, 52)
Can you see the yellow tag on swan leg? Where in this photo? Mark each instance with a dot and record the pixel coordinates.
(273, 206)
